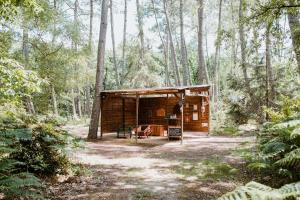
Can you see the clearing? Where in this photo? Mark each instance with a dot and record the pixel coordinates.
(202, 168)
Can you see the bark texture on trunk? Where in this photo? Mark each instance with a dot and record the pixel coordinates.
(25, 50)
(89, 66)
(93, 129)
(294, 23)
(270, 94)
(114, 45)
(54, 100)
(243, 46)
(74, 105)
(183, 51)
(140, 27)
(217, 59)
(124, 40)
(164, 44)
(202, 70)
(172, 47)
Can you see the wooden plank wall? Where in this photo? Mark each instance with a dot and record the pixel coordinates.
(151, 111)
(112, 115)
(151, 108)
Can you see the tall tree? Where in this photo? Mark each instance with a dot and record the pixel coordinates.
(93, 128)
(183, 48)
(217, 59)
(28, 101)
(141, 30)
(113, 44)
(76, 22)
(172, 47)
(124, 38)
(270, 94)
(90, 46)
(165, 45)
(202, 70)
(243, 45)
(294, 22)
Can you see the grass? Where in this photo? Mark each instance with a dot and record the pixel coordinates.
(142, 194)
(205, 170)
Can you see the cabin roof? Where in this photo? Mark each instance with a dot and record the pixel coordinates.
(153, 91)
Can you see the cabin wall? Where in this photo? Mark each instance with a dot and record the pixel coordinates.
(155, 110)
(112, 113)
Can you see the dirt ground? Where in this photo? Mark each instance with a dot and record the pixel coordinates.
(203, 167)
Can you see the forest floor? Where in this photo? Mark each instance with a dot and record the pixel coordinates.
(201, 168)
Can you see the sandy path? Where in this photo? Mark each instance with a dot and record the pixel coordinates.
(154, 168)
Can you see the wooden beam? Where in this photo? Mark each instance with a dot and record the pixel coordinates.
(182, 107)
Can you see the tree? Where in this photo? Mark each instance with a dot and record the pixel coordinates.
(113, 44)
(93, 128)
(141, 30)
(124, 39)
(183, 48)
(172, 47)
(294, 22)
(202, 70)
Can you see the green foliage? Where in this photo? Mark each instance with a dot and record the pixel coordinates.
(27, 151)
(257, 191)
(16, 82)
(279, 142)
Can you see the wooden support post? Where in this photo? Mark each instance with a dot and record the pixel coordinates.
(101, 119)
(167, 115)
(182, 107)
(137, 116)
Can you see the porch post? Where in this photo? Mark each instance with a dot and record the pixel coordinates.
(137, 116)
(182, 106)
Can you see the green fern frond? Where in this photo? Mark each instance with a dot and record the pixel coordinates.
(291, 159)
(295, 133)
(257, 191)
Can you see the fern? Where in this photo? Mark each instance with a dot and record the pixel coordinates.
(257, 191)
(291, 159)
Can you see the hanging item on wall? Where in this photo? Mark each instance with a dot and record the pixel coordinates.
(195, 116)
(195, 107)
(161, 112)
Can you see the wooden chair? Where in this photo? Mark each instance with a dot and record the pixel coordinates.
(143, 131)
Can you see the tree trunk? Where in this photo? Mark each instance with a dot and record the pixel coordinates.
(93, 129)
(141, 30)
(202, 71)
(233, 40)
(75, 117)
(173, 52)
(243, 47)
(113, 44)
(28, 101)
(270, 94)
(294, 22)
(54, 101)
(183, 48)
(87, 88)
(217, 59)
(124, 38)
(167, 61)
(164, 44)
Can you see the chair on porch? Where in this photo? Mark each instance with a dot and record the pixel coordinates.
(143, 131)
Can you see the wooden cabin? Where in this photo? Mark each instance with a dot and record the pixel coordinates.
(159, 107)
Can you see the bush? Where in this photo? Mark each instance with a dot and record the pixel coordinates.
(279, 143)
(28, 151)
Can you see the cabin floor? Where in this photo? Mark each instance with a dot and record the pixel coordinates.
(203, 167)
